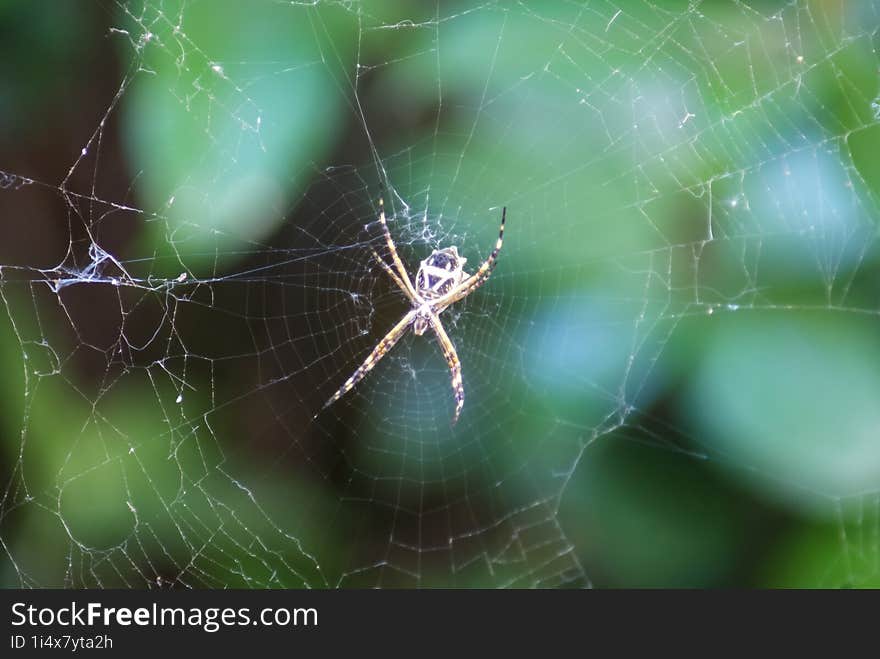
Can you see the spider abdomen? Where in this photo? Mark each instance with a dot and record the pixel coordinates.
(441, 272)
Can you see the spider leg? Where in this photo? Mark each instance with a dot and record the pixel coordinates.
(473, 282)
(453, 362)
(373, 358)
(393, 276)
(395, 257)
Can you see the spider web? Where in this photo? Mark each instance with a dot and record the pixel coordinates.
(187, 277)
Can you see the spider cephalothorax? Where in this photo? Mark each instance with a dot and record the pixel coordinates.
(440, 282)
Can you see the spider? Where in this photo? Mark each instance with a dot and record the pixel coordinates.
(440, 282)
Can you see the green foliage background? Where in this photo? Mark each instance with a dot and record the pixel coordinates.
(672, 376)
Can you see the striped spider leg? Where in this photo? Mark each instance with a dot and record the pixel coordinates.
(440, 282)
(395, 257)
(471, 283)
